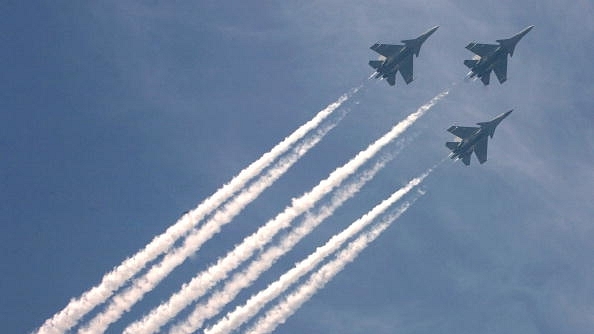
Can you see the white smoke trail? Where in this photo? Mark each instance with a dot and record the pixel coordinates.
(265, 260)
(112, 281)
(122, 302)
(205, 280)
(264, 234)
(291, 303)
(243, 313)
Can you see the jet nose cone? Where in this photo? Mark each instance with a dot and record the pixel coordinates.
(504, 115)
(501, 117)
(431, 31)
(426, 35)
(525, 31)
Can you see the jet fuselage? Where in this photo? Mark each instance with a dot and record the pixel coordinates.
(391, 64)
(398, 58)
(467, 144)
(492, 57)
(473, 139)
(485, 64)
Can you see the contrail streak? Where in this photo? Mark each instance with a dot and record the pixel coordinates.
(243, 313)
(112, 281)
(122, 302)
(204, 281)
(266, 259)
(291, 303)
(266, 233)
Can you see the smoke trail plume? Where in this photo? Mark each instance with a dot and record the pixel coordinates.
(112, 281)
(243, 313)
(290, 304)
(208, 278)
(122, 302)
(265, 260)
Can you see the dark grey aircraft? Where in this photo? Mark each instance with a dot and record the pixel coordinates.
(398, 57)
(473, 139)
(492, 57)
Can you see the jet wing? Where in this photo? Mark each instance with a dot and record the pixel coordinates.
(406, 69)
(462, 131)
(386, 50)
(480, 149)
(500, 69)
(482, 49)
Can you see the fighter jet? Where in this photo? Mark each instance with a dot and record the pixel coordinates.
(492, 57)
(398, 57)
(473, 139)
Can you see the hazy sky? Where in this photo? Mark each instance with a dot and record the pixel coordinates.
(118, 116)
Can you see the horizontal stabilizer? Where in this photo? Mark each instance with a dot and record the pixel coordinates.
(452, 145)
(471, 63)
(375, 63)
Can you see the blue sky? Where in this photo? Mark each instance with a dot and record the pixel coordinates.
(119, 116)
